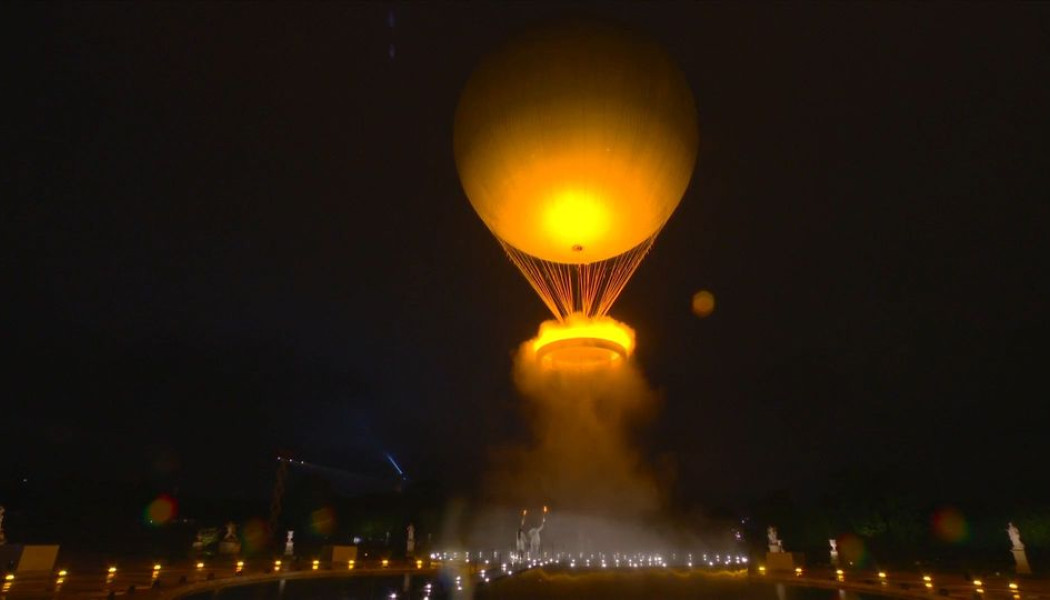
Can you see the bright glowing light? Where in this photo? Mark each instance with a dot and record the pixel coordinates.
(276, 565)
(200, 565)
(350, 565)
(575, 219)
(385, 562)
(575, 163)
(1013, 586)
(586, 141)
(316, 564)
(419, 565)
(882, 575)
(9, 577)
(63, 573)
(798, 570)
(579, 341)
(927, 578)
(156, 567)
(977, 582)
(112, 570)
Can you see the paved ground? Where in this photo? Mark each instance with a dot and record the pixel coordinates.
(141, 580)
(169, 581)
(916, 585)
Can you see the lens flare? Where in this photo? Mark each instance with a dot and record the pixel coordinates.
(255, 535)
(949, 525)
(853, 549)
(160, 511)
(703, 303)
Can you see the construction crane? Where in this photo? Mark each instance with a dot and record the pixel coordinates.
(277, 500)
(278, 493)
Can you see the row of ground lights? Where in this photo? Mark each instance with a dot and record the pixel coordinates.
(112, 571)
(926, 579)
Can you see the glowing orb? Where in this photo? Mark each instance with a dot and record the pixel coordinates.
(703, 303)
(576, 141)
(580, 342)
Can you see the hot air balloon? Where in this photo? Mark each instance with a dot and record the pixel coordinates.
(574, 143)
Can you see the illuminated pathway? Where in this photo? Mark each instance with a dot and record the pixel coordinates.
(915, 585)
(146, 579)
(142, 579)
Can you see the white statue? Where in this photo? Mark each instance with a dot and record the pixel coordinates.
(289, 545)
(410, 545)
(519, 543)
(834, 546)
(534, 536)
(230, 544)
(775, 545)
(1015, 536)
(1022, 568)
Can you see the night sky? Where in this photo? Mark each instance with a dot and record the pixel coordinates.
(235, 229)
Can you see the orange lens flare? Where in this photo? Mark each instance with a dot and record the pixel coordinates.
(160, 511)
(950, 525)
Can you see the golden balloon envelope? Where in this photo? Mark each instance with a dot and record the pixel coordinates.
(575, 142)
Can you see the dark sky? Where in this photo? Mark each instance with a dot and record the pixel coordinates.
(234, 228)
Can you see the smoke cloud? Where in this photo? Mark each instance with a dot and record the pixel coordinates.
(582, 456)
(582, 460)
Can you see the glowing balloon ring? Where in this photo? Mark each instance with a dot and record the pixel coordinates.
(581, 353)
(581, 342)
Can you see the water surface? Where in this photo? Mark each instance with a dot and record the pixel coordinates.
(534, 585)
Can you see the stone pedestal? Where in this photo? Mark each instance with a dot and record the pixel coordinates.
(28, 558)
(834, 558)
(339, 554)
(229, 547)
(1022, 562)
(784, 561)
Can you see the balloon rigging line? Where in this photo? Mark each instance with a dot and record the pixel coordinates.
(590, 289)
